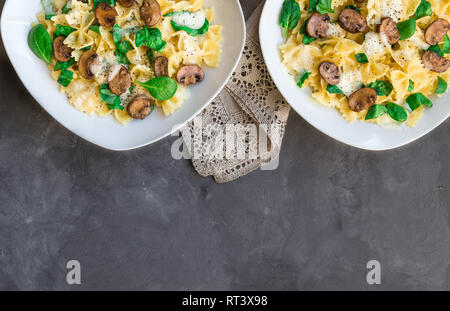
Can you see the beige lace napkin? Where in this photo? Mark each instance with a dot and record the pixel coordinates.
(249, 103)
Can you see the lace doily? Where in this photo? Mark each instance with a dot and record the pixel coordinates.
(252, 107)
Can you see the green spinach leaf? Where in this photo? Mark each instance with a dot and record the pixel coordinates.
(411, 86)
(436, 49)
(362, 58)
(95, 28)
(307, 39)
(312, 5)
(67, 7)
(407, 28)
(416, 100)
(150, 37)
(65, 77)
(122, 46)
(376, 111)
(110, 2)
(62, 30)
(175, 12)
(151, 56)
(112, 100)
(441, 86)
(397, 112)
(324, 6)
(117, 34)
(352, 7)
(302, 29)
(61, 66)
(334, 89)
(446, 47)
(161, 88)
(40, 43)
(122, 58)
(302, 78)
(424, 9)
(193, 32)
(383, 88)
(290, 16)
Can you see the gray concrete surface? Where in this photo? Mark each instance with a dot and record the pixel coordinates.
(141, 220)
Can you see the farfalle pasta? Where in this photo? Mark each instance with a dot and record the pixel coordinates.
(376, 61)
(124, 57)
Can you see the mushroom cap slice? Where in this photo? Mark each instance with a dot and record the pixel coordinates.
(150, 12)
(190, 74)
(352, 21)
(140, 107)
(389, 28)
(89, 64)
(161, 66)
(318, 25)
(62, 52)
(119, 79)
(434, 62)
(330, 73)
(436, 31)
(362, 99)
(106, 14)
(126, 3)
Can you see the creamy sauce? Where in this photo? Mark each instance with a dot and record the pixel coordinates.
(375, 44)
(392, 9)
(350, 82)
(192, 20)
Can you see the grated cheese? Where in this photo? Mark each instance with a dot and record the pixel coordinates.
(350, 82)
(376, 44)
(191, 20)
(392, 9)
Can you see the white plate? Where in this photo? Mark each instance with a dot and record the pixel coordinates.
(327, 120)
(16, 19)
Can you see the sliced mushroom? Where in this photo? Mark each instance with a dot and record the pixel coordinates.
(62, 52)
(119, 79)
(140, 107)
(389, 28)
(106, 14)
(126, 3)
(150, 12)
(362, 99)
(434, 62)
(352, 21)
(330, 73)
(318, 25)
(90, 64)
(190, 74)
(161, 66)
(436, 31)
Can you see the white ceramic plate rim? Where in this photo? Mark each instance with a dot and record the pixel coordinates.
(99, 142)
(328, 120)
